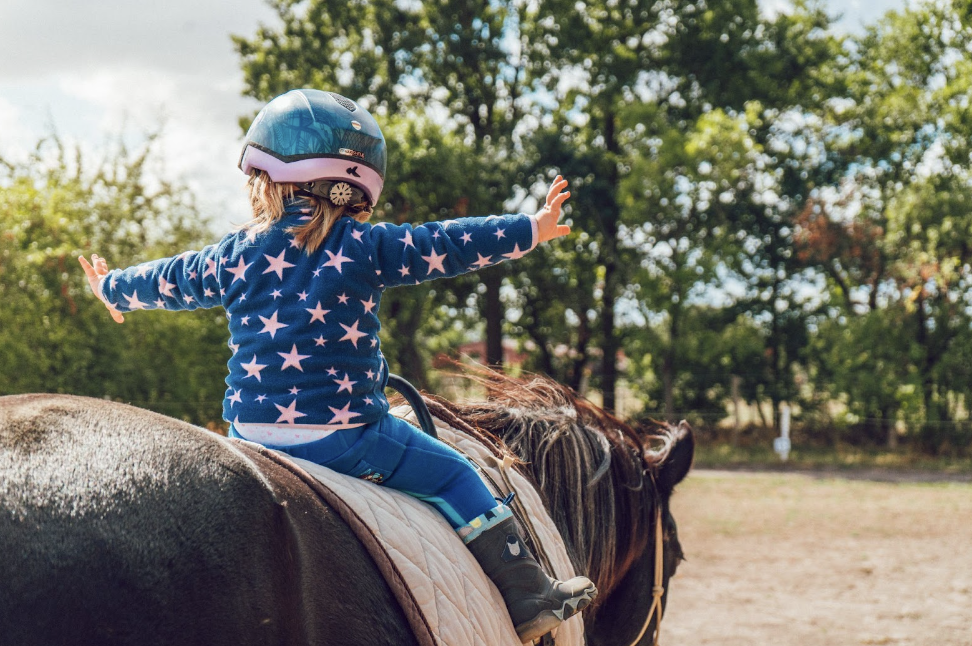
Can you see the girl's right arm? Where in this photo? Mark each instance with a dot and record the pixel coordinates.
(184, 282)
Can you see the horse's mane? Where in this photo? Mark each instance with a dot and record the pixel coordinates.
(590, 467)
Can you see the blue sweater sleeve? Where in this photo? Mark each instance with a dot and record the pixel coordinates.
(407, 255)
(184, 282)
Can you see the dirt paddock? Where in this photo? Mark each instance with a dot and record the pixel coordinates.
(798, 560)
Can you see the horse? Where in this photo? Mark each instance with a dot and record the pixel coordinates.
(122, 526)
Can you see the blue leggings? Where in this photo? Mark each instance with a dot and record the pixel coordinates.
(394, 453)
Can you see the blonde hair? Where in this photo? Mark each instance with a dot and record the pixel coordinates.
(267, 200)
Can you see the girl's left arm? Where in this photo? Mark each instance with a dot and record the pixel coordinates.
(184, 282)
(406, 254)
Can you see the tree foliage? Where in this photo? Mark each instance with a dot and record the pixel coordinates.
(57, 336)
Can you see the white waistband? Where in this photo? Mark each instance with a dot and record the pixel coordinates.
(288, 434)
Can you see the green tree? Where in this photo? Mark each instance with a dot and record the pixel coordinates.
(900, 223)
(57, 205)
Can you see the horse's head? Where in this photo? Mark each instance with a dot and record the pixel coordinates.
(630, 612)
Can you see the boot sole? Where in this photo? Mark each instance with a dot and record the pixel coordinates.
(547, 620)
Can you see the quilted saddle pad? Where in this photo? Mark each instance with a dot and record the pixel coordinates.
(458, 605)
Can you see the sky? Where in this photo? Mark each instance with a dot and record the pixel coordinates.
(91, 70)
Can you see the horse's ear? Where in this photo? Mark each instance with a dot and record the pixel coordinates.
(674, 469)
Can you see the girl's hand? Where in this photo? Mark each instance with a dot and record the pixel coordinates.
(547, 218)
(94, 275)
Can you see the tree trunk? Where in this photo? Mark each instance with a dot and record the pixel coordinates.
(493, 279)
(610, 215)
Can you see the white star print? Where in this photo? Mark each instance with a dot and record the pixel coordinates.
(317, 314)
(482, 262)
(277, 264)
(369, 304)
(235, 398)
(165, 287)
(332, 372)
(466, 237)
(290, 413)
(499, 233)
(302, 296)
(343, 298)
(356, 234)
(370, 374)
(403, 271)
(210, 267)
(134, 303)
(192, 274)
(160, 303)
(342, 415)
(245, 320)
(294, 390)
(253, 368)
(435, 261)
(336, 260)
(187, 298)
(260, 398)
(317, 272)
(276, 294)
(292, 359)
(208, 293)
(320, 340)
(345, 384)
(234, 346)
(239, 271)
(142, 270)
(352, 333)
(270, 325)
(368, 401)
(516, 253)
(408, 239)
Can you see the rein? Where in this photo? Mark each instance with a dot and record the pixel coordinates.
(657, 590)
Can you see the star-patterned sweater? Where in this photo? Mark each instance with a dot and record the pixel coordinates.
(304, 327)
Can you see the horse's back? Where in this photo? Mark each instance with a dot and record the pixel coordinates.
(118, 525)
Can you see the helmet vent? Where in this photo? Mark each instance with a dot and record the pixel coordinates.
(347, 104)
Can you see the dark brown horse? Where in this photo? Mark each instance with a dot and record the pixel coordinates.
(121, 526)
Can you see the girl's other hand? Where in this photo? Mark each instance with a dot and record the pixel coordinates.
(548, 217)
(94, 275)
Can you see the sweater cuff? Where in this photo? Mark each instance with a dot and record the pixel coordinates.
(101, 289)
(536, 232)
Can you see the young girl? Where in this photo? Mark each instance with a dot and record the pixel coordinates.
(301, 284)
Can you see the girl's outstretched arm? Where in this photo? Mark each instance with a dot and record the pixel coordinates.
(95, 274)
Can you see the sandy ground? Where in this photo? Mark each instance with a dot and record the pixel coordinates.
(794, 560)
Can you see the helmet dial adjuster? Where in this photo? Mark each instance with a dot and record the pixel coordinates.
(337, 192)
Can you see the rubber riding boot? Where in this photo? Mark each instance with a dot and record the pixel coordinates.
(537, 603)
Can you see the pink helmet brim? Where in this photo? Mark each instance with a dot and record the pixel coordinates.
(315, 168)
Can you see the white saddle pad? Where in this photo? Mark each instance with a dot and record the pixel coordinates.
(460, 604)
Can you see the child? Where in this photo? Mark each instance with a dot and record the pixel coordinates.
(301, 284)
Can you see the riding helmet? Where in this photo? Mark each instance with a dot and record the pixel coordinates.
(323, 142)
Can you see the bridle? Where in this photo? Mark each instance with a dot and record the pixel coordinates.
(657, 590)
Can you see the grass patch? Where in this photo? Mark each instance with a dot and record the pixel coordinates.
(726, 456)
